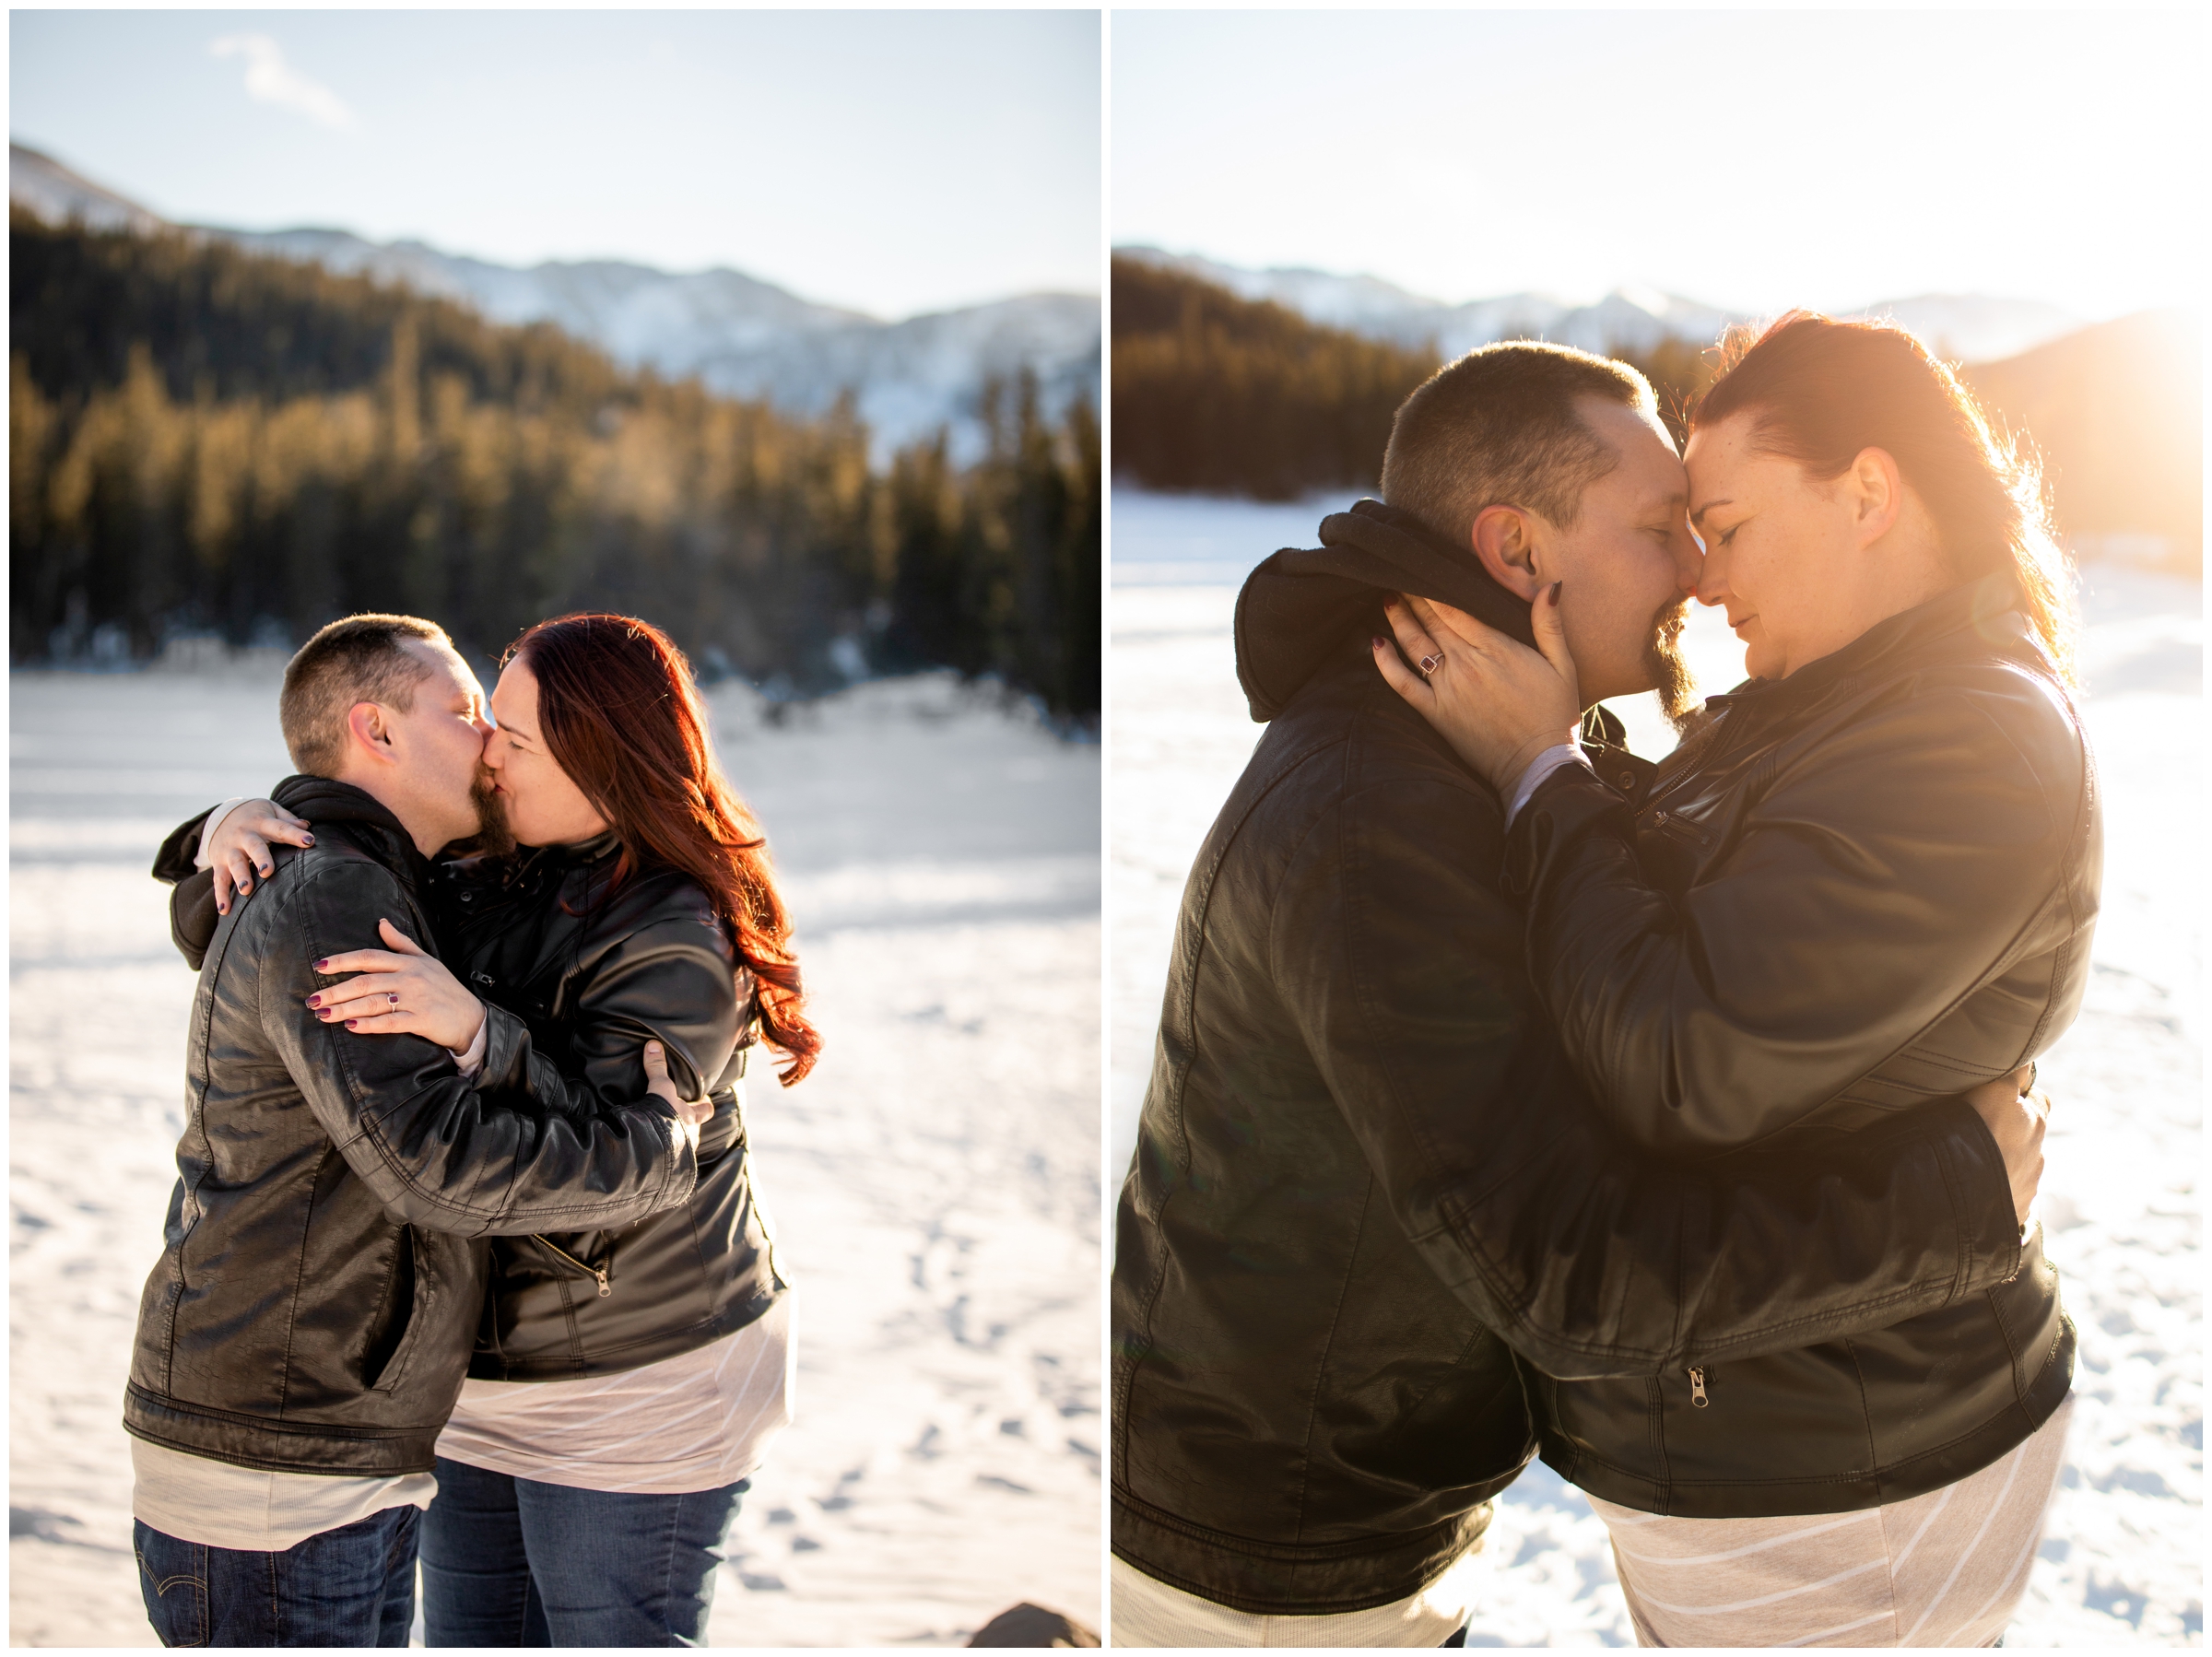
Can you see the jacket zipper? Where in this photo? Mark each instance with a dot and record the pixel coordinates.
(606, 1288)
(1681, 829)
(1697, 1385)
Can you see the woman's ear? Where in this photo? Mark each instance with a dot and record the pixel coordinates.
(1505, 546)
(1877, 494)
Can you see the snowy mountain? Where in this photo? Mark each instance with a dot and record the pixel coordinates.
(741, 335)
(1976, 327)
(1961, 326)
(46, 188)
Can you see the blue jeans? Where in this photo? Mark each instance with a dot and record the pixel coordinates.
(353, 1586)
(509, 1561)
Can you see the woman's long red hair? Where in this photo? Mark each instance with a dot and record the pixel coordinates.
(622, 717)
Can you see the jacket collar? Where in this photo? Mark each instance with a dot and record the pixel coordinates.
(517, 868)
(375, 829)
(1987, 610)
(588, 851)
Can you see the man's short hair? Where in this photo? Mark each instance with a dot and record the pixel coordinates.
(361, 659)
(1499, 427)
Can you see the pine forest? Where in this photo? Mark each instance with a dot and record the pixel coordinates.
(205, 441)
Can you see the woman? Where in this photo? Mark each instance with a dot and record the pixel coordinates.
(1867, 881)
(624, 1384)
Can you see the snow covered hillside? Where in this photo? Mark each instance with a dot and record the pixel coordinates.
(934, 1185)
(1969, 327)
(2122, 1563)
(743, 336)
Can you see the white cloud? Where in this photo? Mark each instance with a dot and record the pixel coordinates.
(269, 79)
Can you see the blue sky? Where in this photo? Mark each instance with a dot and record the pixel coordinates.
(893, 161)
(1754, 159)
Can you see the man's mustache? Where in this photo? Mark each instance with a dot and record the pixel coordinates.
(494, 837)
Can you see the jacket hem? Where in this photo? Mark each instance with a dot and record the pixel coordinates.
(1273, 1579)
(1841, 1493)
(634, 1355)
(278, 1447)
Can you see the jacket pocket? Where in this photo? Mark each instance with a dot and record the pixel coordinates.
(385, 1364)
(601, 1275)
(1681, 829)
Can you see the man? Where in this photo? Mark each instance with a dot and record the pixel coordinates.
(1365, 1177)
(308, 1328)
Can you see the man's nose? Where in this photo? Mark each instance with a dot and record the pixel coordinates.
(1689, 564)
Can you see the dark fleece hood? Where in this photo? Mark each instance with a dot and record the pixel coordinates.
(1298, 608)
(319, 801)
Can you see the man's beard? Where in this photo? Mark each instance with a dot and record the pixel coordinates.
(1670, 674)
(494, 839)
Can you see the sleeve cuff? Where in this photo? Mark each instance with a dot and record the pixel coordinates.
(1541, 766)
(200, 860)
(471, 1060)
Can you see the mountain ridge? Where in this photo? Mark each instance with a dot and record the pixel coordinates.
(740, 334)
(1964, 327)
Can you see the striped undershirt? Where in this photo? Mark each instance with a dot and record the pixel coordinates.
(697, 1421)
(1947, 1568)
(1147, 1611)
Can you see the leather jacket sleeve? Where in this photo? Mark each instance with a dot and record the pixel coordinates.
(1588, 1255)
(436, 1152)
(1874, 883)
(192, 917)
(672, 980)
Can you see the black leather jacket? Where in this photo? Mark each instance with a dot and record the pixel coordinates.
(593, 974)
(576, 974)
(323, 1271)
(1365, 1177)
(1856, 890)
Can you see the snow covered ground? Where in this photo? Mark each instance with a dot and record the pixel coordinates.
(2122, 1562)
(934, 1186)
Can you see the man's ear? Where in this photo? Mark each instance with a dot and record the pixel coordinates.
(1505, 546)
(370, 729)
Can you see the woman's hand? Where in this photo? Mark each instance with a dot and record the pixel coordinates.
(2017, 1117)
(404, 991)
(239, 846)
(690, 1114)
(1497, 702)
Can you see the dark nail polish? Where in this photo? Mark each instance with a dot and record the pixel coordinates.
(307, 840)
(267, 869)
(322, 963)
(353, 1024)
(314, 1001)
